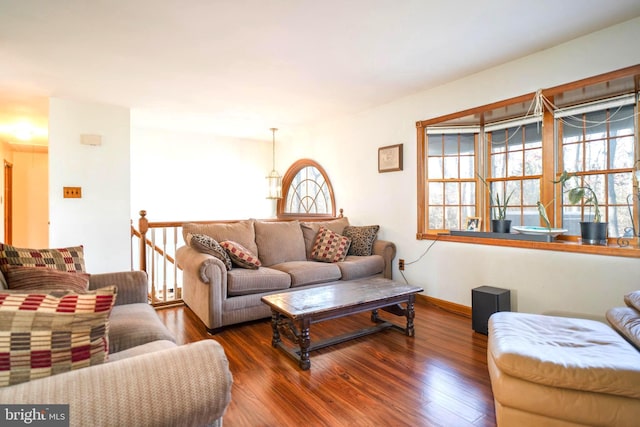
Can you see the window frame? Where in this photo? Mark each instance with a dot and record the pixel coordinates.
(287, 179)
(444, 180)
(550, 155)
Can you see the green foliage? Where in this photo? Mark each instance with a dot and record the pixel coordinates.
(542, 211)
(501, 205)
(580, 192)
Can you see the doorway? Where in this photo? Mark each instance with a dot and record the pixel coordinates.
(8, 202)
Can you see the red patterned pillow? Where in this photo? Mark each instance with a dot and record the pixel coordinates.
(38, 278)
(43, 334)
(63, 259)
(240, 255)
(330, 246)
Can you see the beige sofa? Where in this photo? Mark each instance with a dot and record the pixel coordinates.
(221, 297)
(147, 381)
(558, 371)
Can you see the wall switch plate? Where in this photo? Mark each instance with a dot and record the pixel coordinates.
(72, 192)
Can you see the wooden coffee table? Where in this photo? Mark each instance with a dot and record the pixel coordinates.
(293, 312)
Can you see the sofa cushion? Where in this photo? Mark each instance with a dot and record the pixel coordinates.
(310, 231)
(43, 334)
(626, 320)
(362, 238)
(209, 245)
(279, 242)
(309, 272)
(567, 353)
(330, 246)
(150, 347)
(244, 282)
(131, 325)
(241, 256)
(34, 278)
(63, 259)
(242, 232)
(633, 300)
(356, 267)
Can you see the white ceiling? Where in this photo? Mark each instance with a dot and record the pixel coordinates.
(239, 67)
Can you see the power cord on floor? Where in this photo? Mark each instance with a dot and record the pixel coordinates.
(419, 258)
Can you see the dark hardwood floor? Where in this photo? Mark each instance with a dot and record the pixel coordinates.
(438, 378)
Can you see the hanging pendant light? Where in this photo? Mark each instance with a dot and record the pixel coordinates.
(274, 180)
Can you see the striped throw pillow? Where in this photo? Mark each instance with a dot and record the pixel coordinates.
(39, 278)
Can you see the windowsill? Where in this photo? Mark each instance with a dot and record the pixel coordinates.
(612, 249)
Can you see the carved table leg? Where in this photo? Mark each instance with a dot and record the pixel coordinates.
(374, 316)
(410, 313)
(275, 319)
(305, 343)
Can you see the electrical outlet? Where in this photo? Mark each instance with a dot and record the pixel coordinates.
(401, 264)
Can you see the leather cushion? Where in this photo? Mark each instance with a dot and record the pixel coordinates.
(626, 321)
(561, 352)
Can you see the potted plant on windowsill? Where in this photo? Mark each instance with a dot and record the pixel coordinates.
(592, 232)
(499, 222)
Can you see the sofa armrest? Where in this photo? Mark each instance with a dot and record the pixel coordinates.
(387, 250)
(187, 385)
(204, 286)
(132, 285)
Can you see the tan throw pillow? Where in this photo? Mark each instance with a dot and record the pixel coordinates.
(208, 245)
(362, 238)
(63, 259)
(279, 242)
(43, 334)
(330, 246)
(240, 255)
(38, 278)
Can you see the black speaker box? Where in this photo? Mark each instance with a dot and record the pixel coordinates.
(485, 301)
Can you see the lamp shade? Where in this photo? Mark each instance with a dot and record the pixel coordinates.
(274, 183)
(274, 180)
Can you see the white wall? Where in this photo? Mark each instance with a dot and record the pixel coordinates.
(100, 220)
(30, 199)
(541, 281)
(179, 176)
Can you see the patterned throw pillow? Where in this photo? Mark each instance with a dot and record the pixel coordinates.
(209, 245)
(330, 246)
(38, 278)
(43, 334)
(240, 255)
(63, 259)
(362, 239)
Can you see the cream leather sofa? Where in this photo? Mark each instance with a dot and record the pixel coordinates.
(557, 371)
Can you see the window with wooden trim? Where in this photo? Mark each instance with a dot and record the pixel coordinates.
(514, 155)
(598, 146)
(451, 165)
(307, 192)
(582, 127)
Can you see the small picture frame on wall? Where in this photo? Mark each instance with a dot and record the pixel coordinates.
(390, 158)
(473, 223)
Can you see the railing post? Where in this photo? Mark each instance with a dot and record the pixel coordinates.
(143, 226)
